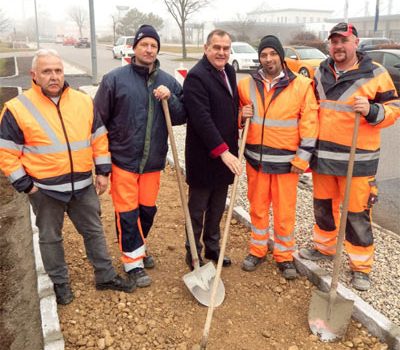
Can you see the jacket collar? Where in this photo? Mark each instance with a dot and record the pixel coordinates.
(144, 71)
(38, 89)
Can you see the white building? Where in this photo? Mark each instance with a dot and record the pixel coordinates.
(289, 15)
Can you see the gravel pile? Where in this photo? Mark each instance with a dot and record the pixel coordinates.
(384, 295)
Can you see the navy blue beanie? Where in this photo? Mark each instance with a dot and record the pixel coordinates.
(273, 42)
(144, 31)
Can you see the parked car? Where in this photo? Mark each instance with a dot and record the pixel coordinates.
(82, 42)
(303, 59)
(372, 43)
(243, 56)
(123, 47)
(59, 38)
(69, 41)
(390, 59)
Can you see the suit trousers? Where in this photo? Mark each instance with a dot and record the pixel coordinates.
(84, 213)
(206, 207)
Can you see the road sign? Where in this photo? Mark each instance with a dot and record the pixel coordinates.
(125, 60)
(180, 74)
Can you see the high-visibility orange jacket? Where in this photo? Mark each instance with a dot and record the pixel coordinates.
(284, 128)
(336, 116)
(52, 146)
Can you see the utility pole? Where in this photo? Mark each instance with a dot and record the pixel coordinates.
(93, 43)
(346, 11)
(376, 17)
(37, 27)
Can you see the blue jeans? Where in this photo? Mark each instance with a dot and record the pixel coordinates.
(84, 213)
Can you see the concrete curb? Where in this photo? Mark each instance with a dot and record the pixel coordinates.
(51, 330)
(376, 323)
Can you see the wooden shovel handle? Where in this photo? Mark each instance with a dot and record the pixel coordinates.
(345, 208)
(225, 235)
(188, 221)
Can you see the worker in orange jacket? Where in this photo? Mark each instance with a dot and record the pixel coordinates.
(49, 142)
(348, 82)
(279, 145)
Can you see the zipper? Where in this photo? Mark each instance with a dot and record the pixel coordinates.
(68, 145)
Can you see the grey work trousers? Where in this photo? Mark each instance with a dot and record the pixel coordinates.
(206, 207)
(84, 213)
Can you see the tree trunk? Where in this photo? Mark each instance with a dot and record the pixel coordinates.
(183, 32)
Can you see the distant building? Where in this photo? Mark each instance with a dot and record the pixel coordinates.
(388, 26)
(289, 16)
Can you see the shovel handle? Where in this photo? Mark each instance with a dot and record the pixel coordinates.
(188, 221)
(225, 235)
(345, 208)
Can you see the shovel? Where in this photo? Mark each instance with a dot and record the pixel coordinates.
(329, 314)
(200, 280)
(214, 293)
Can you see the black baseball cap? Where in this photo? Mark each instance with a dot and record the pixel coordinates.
(343, 29)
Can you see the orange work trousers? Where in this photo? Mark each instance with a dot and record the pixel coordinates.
(134, 197)
(328, 196)
(281, 191)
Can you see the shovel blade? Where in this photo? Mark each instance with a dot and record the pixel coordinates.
(329, 323)
(200, 282)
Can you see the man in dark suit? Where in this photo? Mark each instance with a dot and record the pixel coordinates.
(211, 101)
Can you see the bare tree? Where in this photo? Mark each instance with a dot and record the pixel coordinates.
(243, 26)
(181, 11)
(4, 21)
(79, 16)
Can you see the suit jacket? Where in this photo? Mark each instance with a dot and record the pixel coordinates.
(212, 122)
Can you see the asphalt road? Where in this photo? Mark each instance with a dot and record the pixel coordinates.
(105, 62)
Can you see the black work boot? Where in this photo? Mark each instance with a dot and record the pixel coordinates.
(117, 283)
(64, 293)
(287, 269)
(140, 277)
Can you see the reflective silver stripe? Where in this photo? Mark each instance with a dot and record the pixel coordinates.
(79, 145)
(100, 131)
(301, 153)
(282, 248)
(308, 142)
(393, 104)
(39, 118)
(102, 160)
(253, 95)
(78, 185)
(270, 158)
(17, 174)
(336, 106)
(380, 116)
(288, 123)
(322, 239)
(345, 156)
(320, 89)
(10, 145)
(263, 242)
(260, 231)
(325, 249)
(136, 253)
(359, 83)
(284, 238)
(57, 148)
(356, 257)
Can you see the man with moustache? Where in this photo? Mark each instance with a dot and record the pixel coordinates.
(279, 145)
(129, 103)
(348, 82)
(49, 142)
(211, 101)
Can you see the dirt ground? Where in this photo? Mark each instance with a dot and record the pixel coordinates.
(19, 303)
(261, 310)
